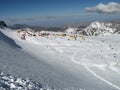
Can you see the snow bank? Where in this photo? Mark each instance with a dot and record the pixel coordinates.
(8, 82)
(71, 30)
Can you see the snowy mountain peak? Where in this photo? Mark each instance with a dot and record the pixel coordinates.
(100, 24)
(100, 28)
(95, 24)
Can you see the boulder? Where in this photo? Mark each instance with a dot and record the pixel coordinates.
(2, 24)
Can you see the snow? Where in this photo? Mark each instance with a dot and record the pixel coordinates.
(100, 28)
(8, 82)
(71, 63)
(71, 30)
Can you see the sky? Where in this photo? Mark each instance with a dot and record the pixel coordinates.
(58, 12)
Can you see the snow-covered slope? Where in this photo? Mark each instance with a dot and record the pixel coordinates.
(92, 64)
(19, 64)
(100, 28)
(8, 40)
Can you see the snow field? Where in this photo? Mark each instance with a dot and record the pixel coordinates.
(100, 56)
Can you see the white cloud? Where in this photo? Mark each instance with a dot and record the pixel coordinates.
(110, 8)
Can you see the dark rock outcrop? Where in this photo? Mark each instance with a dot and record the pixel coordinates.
(2, 24)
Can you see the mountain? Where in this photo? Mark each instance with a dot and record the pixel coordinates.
(18, 26)
(101, 28)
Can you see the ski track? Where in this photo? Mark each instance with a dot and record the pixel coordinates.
(92, 72)
(102, 79)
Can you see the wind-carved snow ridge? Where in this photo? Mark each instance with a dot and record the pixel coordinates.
(8, 82)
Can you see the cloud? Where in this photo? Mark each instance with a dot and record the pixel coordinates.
(109, 8)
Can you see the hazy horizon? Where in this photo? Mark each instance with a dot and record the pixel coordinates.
(58, 12)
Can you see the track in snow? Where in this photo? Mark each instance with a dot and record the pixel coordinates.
(92, 72)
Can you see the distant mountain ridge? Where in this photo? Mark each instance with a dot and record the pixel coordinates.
(94, 29)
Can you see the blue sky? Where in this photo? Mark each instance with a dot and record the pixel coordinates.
(52, 12)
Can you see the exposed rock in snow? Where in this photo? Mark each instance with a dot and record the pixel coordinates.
(8, 82)
(100, 28)
(2, 24)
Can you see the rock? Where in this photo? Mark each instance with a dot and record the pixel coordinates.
(2, 24)
(100, 29)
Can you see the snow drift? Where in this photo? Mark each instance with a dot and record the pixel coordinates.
(72, 30)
